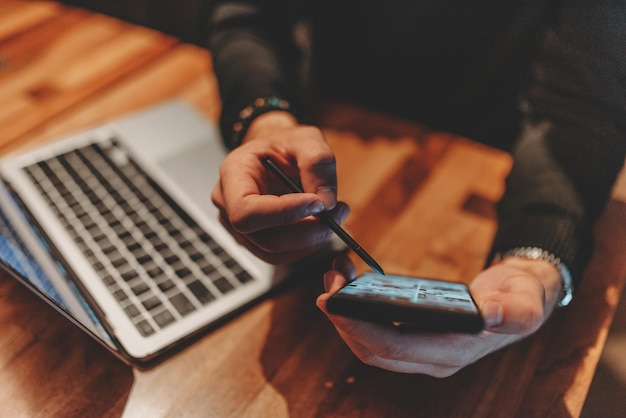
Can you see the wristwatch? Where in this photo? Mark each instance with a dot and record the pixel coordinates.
(536, 253)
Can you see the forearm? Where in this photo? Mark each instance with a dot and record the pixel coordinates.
(254, 54)
(541, 207)
(574, 141)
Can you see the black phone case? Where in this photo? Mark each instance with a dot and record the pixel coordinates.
(410, 317)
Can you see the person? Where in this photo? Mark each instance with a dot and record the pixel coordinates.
(544, 79)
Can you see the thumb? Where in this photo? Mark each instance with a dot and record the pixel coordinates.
(493, 314)
(513, 314)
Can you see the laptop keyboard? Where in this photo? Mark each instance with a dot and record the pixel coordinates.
(157, 262)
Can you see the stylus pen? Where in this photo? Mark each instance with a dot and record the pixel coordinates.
(324, 217)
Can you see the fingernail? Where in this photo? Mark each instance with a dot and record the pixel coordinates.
(493, 313)
(344, 214)
(328, 195)
(314, 208)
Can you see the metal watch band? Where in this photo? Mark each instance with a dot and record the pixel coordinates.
(536, 253)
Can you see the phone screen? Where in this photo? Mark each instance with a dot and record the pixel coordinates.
(413, 291)
(432, 305)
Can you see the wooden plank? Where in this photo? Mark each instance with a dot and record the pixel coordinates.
(182, 72)
(77, 48)
(18, 17)
(355, 159)
(206, 358)
(43, 355)
(464, 167)
(579, 332)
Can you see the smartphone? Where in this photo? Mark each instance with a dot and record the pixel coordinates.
(416, 303)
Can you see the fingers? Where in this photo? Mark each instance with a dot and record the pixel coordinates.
(320, 177)
(345, 266)
(386, 344)
(242, 196)
(445, 364)
(261, 212)
(285, 244)
(316, 165)
(333, 281)
(514, 314)
(255, 213)
(343, 271)
(393, 348)
(371, 358)
(437, 355)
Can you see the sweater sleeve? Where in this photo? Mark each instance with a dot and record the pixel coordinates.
(254, 54)
(573, 143)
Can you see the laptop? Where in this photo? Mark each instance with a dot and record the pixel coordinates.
(114, 226)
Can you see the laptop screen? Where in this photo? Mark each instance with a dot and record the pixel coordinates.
(16, 258)
(15, 255)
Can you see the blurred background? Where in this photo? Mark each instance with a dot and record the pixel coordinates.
(184, 19)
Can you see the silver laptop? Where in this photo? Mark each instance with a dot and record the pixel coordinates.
(116, 225)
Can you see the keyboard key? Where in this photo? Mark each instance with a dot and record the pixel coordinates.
(166, 285)
(107, 248)
(185, 244)
(182, 304)
(196, 256)
(223, 285)
(133, 246)
(200, 292)
(159, 245)
(140, 288)
(151, 303)
(164, 318)
(145, 328)
(244, 276)
(155, 271)
(120, 295)
(98, 266)
(132, 311)
(171, 259)
(208, 269)
(144, 259)
(108, 280)
(204, 237)
(183, 272)
(118, 261)
(230, 263)
(129, 275)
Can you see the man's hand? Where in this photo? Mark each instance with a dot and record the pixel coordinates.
(257, 208)
(515, 297)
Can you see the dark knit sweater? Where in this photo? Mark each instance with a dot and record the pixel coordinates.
(545, 79)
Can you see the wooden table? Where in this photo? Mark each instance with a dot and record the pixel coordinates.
(426, 208)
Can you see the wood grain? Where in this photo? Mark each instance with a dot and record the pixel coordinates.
(422, 203)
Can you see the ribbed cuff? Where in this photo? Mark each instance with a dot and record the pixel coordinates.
(558, 235)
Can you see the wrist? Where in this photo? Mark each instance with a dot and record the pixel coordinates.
(259, 107)
(270, 120)
(543, 265)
